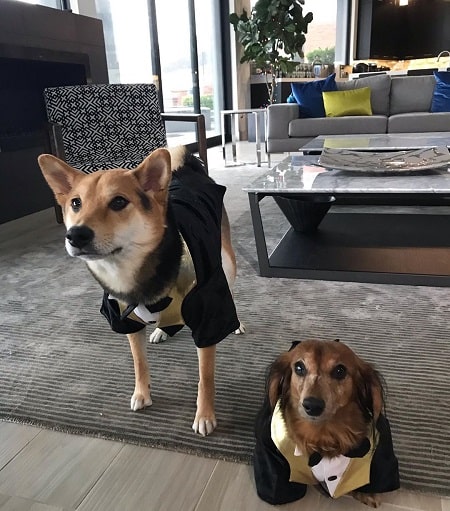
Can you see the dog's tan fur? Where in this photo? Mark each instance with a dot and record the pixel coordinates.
(124, 239)
(342, 425)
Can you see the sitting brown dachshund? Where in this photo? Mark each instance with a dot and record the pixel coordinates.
(322, 424)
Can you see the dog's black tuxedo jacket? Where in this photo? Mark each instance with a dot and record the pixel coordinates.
(208, 308)
(283, 477)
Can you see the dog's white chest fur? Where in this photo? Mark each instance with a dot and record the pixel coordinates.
(115, 274)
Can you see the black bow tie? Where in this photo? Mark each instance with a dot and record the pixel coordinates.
(358, 452)
(155, 307)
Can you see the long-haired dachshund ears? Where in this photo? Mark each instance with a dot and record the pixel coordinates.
(370, 392)
(279, 378)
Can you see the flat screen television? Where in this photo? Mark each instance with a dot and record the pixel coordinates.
(388, 30)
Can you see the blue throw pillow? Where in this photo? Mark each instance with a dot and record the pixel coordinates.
(441, 94)
(291, 99)
(309, 95)
(442, 76)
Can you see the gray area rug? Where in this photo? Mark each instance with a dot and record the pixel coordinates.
(62, 368)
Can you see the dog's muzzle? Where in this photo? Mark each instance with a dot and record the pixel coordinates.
(313, 406)
(79, 236)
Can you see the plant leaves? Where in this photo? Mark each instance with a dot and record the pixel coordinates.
(272, 34)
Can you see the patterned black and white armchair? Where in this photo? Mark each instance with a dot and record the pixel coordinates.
(107, 126)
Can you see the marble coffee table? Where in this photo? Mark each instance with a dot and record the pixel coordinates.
(378, 142)
(336, 232)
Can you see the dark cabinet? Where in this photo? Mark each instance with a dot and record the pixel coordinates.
(259, 96)
(39, 47)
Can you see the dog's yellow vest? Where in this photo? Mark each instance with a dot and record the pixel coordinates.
(171, 315)
(339, 475)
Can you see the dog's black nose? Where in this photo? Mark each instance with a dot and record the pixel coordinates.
(79, 236)
(313, 406)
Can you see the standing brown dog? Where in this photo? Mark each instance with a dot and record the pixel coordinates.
(157, 239)
(322, 423)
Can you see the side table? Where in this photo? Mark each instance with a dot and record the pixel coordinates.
(257, 113)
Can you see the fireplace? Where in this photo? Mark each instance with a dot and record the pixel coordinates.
(61, 49)
(23, 133)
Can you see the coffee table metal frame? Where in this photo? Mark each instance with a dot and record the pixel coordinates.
(284, 259)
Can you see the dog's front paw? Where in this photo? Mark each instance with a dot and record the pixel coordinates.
(369, 499)
(157, 336)
(241, 329)
(204, 425)
(139, 401)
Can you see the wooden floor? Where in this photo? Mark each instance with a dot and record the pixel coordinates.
(43, 470)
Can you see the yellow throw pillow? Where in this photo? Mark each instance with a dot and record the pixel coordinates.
(346, 142)
(347, 102)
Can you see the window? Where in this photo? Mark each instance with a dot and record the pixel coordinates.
(322, 31)
(321, 34)
(179, 73)
(47, 3)
(127, 27)
(127, 39)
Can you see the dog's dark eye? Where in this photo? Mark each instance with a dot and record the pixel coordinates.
(339, 372)
(76, 204)
(300, 368)
(118, 203)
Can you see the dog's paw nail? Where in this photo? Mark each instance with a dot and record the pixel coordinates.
(157, 336)
(138, 402)
(369, 499)
(204, 427)
(240, 330)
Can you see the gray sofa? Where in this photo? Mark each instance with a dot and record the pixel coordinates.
(400, 104)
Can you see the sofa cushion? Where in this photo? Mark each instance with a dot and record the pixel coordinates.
(347, 102)
(278, 117)
(309, 95)
(441, 94)
(411, 94)
(419, 121)
(338, 125)
(380, 86)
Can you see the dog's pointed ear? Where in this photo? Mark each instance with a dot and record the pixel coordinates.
(154, 173)
(59, 175)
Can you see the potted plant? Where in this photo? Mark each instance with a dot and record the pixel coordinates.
(272, 36)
